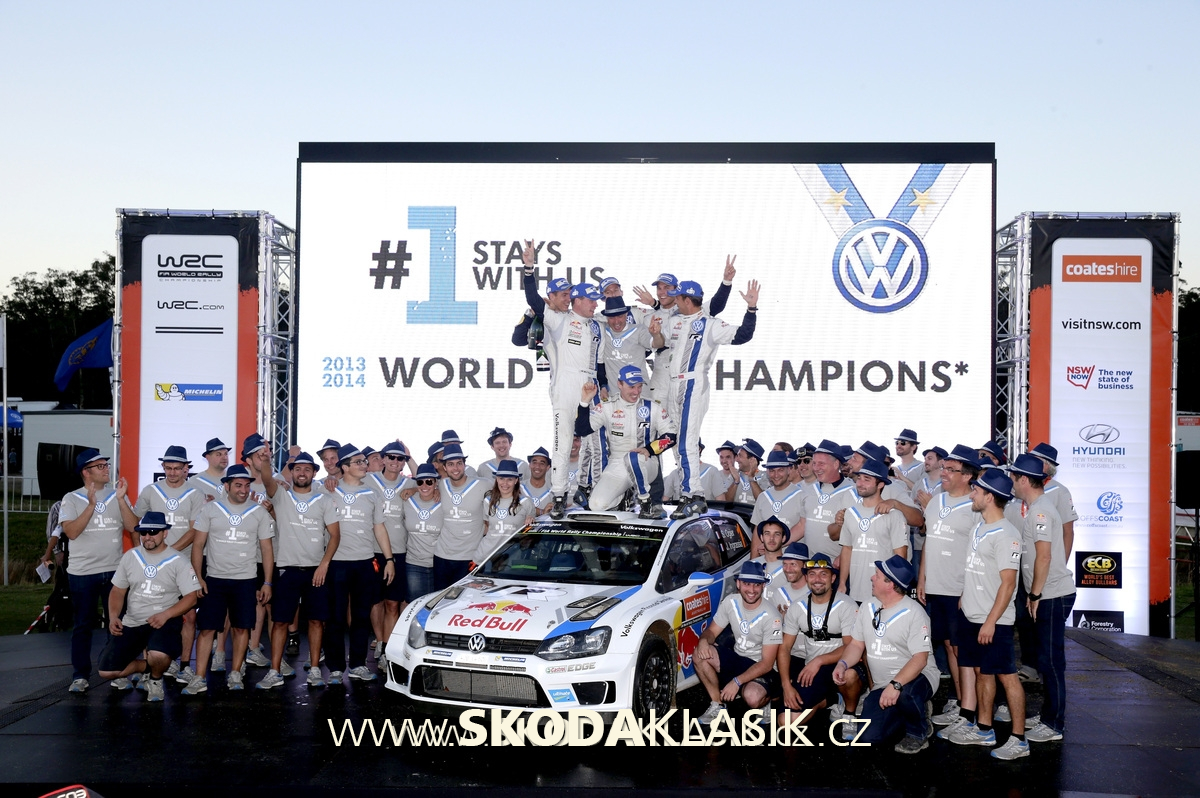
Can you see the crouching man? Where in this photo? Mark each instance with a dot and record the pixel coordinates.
(892, 631)
(748, 667)
(161, 587)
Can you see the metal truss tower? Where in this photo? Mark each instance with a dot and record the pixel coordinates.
(1011, 403)
(277, 323)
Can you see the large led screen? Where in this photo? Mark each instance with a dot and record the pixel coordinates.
(876, 309)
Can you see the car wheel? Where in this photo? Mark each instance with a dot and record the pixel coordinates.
(654, 680)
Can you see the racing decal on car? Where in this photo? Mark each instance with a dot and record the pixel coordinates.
(494, 622)
(562, 696)
(500, 607)
(697, 607)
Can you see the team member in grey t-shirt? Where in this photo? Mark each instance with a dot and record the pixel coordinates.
(423, 523)
(388, 484)
(354, 584)
(892, 633)
(1051, 590)
(157, 585)
(93, 519)
(307, 536)
(749, 666)
(230, 534)
(825, 497)
(180, 502)
(992, 560)
(464, 519)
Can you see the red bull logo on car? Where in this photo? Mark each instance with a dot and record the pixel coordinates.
(493, 622)
(501, 608)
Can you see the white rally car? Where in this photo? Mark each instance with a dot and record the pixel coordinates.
(599, 611)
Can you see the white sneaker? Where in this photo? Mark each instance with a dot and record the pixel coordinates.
(1001, 713)
(1042, 733)
(78, 686)
(1033, 720)
(954, 726)
(710, 714)
(314, 678)
(949, 713)
(381, 665)
(378, 649)
(271, 680)
(1029, 675)
(335, 677)
(121, 683)
(970, 734)
(234, 681)
(851, 728)
(218, 662)
(257, 658)
(1013, 749)
(286, 670)
(173, 671)
(362, 674)
(186, 675)
(838, 710)
(196, 686)
(154, 689)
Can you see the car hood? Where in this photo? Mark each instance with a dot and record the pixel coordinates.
(526, 610)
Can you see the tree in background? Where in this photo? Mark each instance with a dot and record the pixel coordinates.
(46, 312)
(1187, 398)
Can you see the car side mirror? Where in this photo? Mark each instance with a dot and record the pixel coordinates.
(698, 579)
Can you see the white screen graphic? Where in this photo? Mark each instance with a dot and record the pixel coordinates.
(875, 312)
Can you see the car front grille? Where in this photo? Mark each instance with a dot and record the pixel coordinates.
(498, 645)
(479, 687)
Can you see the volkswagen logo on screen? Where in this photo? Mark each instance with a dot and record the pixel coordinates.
(880, 265)
(1099, 433)
(477, 643)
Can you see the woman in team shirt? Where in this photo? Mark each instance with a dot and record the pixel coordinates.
(507, 511)
(423, 521)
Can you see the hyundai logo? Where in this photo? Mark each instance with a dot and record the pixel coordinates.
(477, 643)
(1099, 433)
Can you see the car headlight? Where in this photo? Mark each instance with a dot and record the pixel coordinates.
(416, 635)
(577, 644)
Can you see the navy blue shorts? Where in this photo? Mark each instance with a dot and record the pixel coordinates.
(233, 597)
(943, 618)
(294, 588)
(823, 687)
(734, 664)
(996, 658)
(397, 590)
(120, 651)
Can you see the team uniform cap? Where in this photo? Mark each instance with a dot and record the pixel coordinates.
(787, 530)
(777, 459)
(687, 288)
(899, 570)
(585, 291)
(497, 432)
(875, 468)
(964, 454)
(215, 445)
(152, 521)
(830, 448)
(1028, 465)
(753, 572)
(507, 468)
(631, 375)
(175, 454)
(453, 452)
(1046, 452)
(237, 471)
(996, 482)
(87, 457)
(908, 436)
(666, 279)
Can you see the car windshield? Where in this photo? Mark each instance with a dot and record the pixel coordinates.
(602, 555)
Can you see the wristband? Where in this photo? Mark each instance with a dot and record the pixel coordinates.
(737, 681)
(844, 664)
(266, 584)
(752, 310)
(1035, 596)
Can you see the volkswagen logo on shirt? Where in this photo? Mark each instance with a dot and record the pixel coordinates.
(477, 643)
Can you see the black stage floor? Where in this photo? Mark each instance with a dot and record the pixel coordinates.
(1133, 728)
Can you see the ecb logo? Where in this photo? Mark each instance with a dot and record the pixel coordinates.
(880, 265)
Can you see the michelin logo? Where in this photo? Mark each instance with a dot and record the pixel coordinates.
(188, 392)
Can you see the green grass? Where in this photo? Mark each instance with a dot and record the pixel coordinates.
(1185, 594)
(26, 544)
(19, 605)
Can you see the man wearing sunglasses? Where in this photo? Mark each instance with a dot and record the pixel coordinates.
(816, 631)
(307, 535)
(892, 633)
(354, 583)
(157, 586)
(950, 516)
(180, 503)
(388, 484)
(94, 519)
(802, 474)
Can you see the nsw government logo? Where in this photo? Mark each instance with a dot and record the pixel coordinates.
(880, 264)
